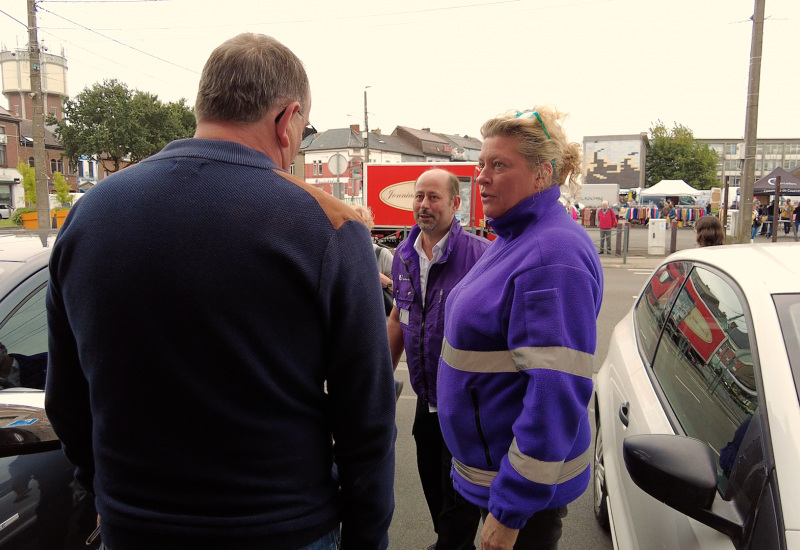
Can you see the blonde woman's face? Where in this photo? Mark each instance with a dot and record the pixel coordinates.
(506, 177)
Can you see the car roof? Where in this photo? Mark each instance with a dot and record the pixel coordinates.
(20, 255)
(773, 268)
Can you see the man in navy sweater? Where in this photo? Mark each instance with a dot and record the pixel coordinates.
(208, 377)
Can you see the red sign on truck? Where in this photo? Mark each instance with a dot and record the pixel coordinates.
(389, 190)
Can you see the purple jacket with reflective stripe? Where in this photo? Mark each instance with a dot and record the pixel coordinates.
(515, 376)
(422, 335)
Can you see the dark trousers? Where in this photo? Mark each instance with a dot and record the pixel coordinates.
(541, 532)
(455, 520)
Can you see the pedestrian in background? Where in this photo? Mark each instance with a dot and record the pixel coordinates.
(188, 382)
(383, 255)
(796, 220)
(756, 221)
(708, 231)
(515, 376)
(427, 265)
(786, 216)
(607, 220)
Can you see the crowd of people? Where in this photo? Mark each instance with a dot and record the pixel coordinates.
(274, 360)
(764, 222)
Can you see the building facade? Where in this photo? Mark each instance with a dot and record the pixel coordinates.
(616, 159)
(770, 154)
(622, 158)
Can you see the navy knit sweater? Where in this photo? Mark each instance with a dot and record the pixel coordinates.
(199, 303)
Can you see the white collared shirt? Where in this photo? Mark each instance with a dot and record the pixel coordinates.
(425, 264)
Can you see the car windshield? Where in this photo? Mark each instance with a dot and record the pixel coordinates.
(788, 306)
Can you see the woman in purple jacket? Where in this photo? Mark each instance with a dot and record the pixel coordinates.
(515, 374)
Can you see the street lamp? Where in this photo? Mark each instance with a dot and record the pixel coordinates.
(366, 127)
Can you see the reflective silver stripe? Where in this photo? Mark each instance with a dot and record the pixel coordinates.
(547, 473)
(538, 471)
(554, 358)
(557, 358)
(482, 478)
(478, 361)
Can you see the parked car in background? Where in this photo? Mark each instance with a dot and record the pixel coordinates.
(697, 406)
(41, 505)
(5, 211)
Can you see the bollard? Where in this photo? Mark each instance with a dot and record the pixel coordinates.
(673, 238)
(626, 230)
(55, 222)
(618, 250)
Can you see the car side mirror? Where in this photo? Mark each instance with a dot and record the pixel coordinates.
(681, 472)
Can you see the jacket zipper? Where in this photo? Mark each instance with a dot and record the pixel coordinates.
(474, 393)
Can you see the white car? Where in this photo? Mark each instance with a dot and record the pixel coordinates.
(697, 407)
(5, 211)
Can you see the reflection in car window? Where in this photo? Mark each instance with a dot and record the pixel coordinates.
(655, 302)
(23, 344)
(705, 366)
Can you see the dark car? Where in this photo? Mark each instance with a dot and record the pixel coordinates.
(42, 506)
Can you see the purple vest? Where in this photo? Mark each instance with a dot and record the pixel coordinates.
(423, 333)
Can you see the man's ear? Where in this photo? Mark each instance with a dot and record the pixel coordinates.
(283, 121)
(457, 202)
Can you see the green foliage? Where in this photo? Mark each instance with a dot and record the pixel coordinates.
(28, 181)
(62, 188)
(115, 124)
(675, 155)
(16, 217)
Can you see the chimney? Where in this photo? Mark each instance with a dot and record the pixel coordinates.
(426, 129)
(356, 128)
(376, 131)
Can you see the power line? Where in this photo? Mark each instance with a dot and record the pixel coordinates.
(120, 43)
(95, 1)
(14, 19)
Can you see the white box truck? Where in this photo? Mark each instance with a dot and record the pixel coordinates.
(593, 194)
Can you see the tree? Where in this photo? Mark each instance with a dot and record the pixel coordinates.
(675, 155)
(118, 125)
(62, 188)
(28, 182)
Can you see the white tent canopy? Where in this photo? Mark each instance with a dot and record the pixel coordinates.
(671, 188)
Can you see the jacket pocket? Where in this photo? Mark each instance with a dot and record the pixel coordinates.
(477, 410)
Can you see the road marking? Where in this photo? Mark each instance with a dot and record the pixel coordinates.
(635, 272)
(687, 388)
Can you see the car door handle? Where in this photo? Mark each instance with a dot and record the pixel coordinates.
(623, 413)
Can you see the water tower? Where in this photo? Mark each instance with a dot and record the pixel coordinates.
(15, 68)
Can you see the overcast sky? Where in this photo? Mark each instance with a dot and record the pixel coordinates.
(616, 66)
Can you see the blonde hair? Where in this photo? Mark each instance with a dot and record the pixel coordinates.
(364, 215)
(541, 139)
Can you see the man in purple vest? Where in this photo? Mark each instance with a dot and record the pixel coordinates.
(427, 265)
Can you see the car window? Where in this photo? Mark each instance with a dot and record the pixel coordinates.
(704, 365)
(654, 304)
(23, 343)
(788, 306)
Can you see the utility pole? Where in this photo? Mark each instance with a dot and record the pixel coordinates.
(751, 127)
(39, 156)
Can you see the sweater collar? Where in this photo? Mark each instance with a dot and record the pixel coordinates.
(217, 150)
(526, 212)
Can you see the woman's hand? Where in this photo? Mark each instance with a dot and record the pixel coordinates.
(386, 282)
(496, 536)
